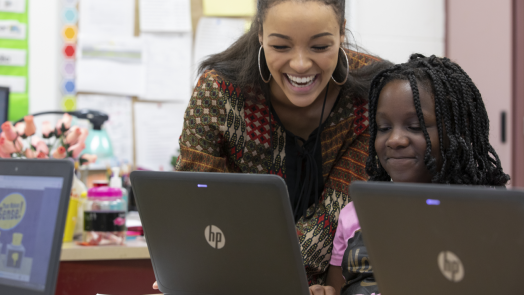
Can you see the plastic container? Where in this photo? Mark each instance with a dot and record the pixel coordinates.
(116, 182)
(104, 217)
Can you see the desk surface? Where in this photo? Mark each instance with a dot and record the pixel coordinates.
(132, 250)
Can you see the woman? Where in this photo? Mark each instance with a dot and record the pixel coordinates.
(287, 98)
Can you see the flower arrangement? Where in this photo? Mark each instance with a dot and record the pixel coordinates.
(63, 141)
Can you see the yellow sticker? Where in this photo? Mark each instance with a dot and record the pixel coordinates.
(69, 103)
(12, 211)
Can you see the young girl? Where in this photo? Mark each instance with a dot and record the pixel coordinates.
(428, 124)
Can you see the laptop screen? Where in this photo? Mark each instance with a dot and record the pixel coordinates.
(28, 212)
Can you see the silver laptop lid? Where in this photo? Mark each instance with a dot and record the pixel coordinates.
(442, 239)
(217, 233)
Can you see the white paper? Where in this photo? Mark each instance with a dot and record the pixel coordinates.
(165, 15)
(119, 126)
(13, 57)
(167, 63)
(16, 84)
(215, 35)
(16, 6)
(157, 129)
(12, 29)
(115, 18)
(112, 66)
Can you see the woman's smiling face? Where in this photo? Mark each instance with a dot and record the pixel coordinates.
(400, 142)
(301, 43)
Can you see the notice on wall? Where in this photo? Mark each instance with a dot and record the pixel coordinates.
(167, 66)
(165, 15)
(16, 6)
(115, 18)
(16, 84)
(229, 7)
(110, 65)
(157, 129)
(12, 29)
(215, 35)
(119, 126)
(13, 57)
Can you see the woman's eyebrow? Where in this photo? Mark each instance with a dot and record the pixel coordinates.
(289, 38)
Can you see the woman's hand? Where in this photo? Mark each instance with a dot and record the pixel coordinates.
(321, 290)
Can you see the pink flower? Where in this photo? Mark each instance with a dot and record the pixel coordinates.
(7, 146)
(83, 135)
(30, 127)
(41, 155)
(46, 129)
(39, 145)
(65, 121)
(73, 135)
(30, 154)
(59, 153)
(89, 158)
(20, 128)
(77, 149)
(4, 155)
(9, 131)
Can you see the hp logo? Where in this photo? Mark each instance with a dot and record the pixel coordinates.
(451, 266)
(215, 237)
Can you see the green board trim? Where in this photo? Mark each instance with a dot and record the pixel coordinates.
(18, 102)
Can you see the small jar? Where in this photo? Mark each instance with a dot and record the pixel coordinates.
(104, 217)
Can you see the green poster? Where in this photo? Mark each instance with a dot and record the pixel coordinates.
(14, 32)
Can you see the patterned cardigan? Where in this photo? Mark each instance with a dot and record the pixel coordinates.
(226, 129)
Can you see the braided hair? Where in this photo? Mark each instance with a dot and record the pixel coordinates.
(462, 123)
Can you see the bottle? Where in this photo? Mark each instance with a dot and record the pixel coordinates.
(116, 182)
(15, 252)
(104, 217)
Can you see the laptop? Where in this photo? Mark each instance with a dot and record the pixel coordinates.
(442, 239)
(4, 104)
(34, 195)
(220, 233)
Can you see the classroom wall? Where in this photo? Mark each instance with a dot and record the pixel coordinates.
(480, 40)
(396, 29)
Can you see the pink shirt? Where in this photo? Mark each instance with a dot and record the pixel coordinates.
(347, 226)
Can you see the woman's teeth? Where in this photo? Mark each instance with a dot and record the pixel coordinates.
(301, 81)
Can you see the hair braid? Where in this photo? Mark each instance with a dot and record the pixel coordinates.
(462, 123)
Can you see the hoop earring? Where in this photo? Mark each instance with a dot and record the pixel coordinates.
(260, 68)
(347, 70)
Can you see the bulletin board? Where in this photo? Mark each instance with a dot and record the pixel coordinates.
(142, 139)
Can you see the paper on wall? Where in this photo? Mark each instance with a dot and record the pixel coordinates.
(16, 6)
(12, 29)
(165, 15)
(167, 66)
(119, 126)
(115, 18)
(215, 35)
(16, 84)
(110, 65)
(229, 7)
(13, 57)
(157, 129)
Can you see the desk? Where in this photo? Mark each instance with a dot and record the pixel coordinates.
(115, 270)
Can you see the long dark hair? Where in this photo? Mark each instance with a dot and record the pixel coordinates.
(468, 157)
(239, 63)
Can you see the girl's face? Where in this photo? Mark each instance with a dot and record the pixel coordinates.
(400, 142)
(301, 43)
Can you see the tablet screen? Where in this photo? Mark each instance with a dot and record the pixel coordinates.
(28, 212)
